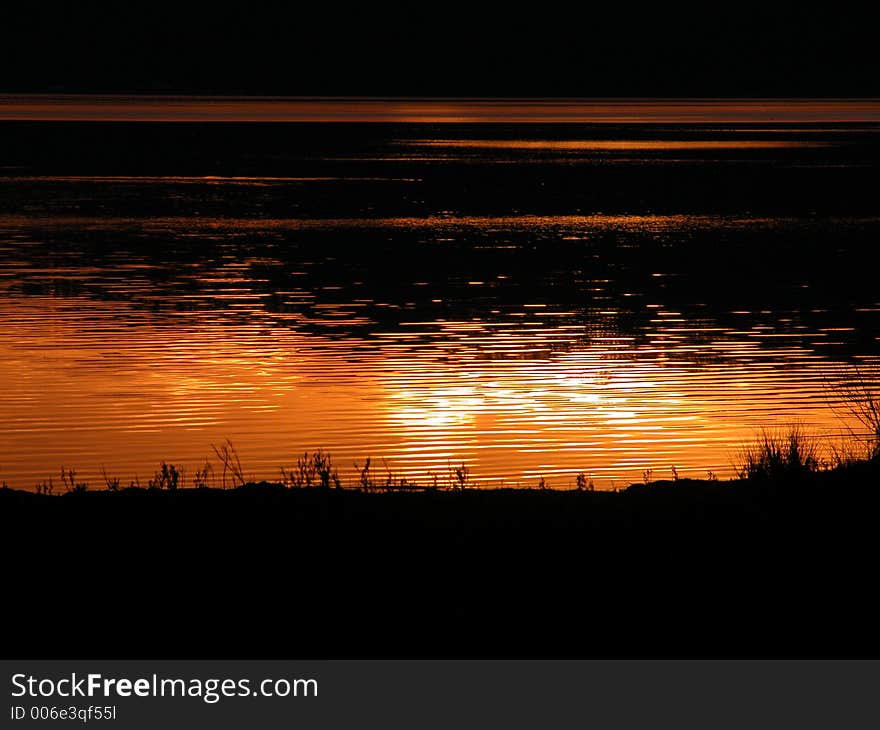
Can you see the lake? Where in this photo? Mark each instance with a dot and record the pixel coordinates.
(533, 300)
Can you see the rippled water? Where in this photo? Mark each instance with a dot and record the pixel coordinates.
(531, 301)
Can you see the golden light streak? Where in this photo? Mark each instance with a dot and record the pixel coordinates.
(46, 107)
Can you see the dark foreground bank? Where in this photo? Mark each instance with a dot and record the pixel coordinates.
(750, 568)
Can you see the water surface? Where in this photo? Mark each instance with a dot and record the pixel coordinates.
(532, 300)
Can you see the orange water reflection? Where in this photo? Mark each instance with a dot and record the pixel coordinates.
(82, 391)
(612, 145)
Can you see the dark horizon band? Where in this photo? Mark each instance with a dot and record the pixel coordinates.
(170, 108)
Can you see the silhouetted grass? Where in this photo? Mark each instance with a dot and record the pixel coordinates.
(774, 454)
(780, 454)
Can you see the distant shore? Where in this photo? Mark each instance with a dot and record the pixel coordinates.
(180, 108)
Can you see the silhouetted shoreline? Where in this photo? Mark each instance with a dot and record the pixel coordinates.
(761, 567)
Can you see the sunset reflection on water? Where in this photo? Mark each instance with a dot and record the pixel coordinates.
(518, 397)
(612, 145)
(594, 312)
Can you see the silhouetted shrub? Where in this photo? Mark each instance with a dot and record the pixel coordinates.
(111, 483)
(859, 397)
(168, 477)
(68, 478)
(459, 476)
(204, 476)
(231, 463)
(311, 470)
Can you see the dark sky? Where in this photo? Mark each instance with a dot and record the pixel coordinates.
(438, 49)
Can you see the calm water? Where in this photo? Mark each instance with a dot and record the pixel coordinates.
(532, 300)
